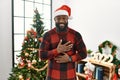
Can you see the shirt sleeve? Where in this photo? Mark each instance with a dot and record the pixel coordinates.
(44, 51)
(80, 49)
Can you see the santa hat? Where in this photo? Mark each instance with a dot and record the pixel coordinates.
(63, 10)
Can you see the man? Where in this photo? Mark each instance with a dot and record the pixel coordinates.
(62, 47)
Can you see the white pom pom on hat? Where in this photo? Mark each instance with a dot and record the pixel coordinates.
(63, 10)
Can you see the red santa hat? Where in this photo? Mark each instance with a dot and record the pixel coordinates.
(63, 10)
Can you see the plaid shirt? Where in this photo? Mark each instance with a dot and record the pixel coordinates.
(62, 71)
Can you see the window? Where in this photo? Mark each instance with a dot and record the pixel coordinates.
(22, 16)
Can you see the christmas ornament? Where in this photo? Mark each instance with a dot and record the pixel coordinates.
(21, 64)
(40, 39)
(34, 61)
(115, 77)
(28, 79)
(35, 39)
(113, 51)
(29, 67)
(108, 44)
(26, 38)
(20, 77)
(29, 64)
(89, 69)
(26, 54)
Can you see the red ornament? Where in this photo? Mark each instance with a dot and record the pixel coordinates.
(28, 79)
(26, 38)
(40, 39)
(115, 77)
(21, 64)
(87, 77)
(22, 58)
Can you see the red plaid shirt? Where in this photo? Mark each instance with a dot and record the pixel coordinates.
(62, 71)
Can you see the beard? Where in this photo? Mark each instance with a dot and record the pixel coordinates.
(62, 28)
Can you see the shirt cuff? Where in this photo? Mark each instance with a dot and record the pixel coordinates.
(55, 52)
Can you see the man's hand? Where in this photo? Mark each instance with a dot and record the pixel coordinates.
(62, 58)
(62, 48)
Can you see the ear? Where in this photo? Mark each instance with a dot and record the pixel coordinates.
(54, 18)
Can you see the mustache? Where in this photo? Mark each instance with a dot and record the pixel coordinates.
(59, 29)
(61, 23)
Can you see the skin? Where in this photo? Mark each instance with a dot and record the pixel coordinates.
(61, 25)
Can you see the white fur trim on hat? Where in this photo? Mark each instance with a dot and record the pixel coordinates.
(60, 12)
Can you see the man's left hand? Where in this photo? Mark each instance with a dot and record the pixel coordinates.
(62, 58)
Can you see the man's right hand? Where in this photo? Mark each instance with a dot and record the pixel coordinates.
(62, 48)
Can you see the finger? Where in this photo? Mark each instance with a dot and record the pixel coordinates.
(67, 49)
(67, 43)
(60, 42)
(70, 46)
(59, 61)
(56, 59)
(64, 53)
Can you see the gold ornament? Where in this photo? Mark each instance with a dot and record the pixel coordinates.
(34, 61)
(26, 54)
(20, 77)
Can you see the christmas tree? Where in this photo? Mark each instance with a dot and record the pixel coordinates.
(30, 66)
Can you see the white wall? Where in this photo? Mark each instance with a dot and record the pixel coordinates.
(96, 20)
(5, 39)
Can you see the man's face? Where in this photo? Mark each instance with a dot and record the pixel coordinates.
(61, 22)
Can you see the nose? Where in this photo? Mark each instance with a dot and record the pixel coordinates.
(61, 20)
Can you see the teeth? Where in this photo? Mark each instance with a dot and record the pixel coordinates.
(61, 24)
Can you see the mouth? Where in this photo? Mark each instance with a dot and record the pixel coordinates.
(62, 25)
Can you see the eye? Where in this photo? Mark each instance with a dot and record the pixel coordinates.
(64, 18)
